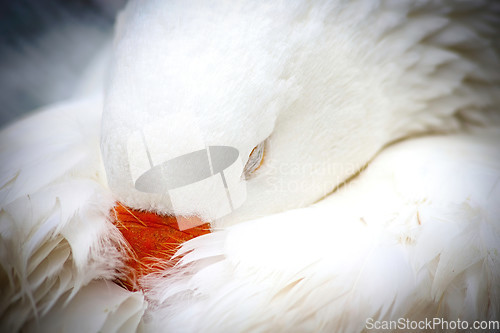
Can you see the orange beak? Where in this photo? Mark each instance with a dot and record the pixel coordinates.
(153, 239)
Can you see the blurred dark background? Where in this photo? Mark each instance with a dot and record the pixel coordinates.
(44, 47)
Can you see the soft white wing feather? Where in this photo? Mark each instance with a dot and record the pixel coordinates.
(101, 306)
(54, 228)
(416, 235)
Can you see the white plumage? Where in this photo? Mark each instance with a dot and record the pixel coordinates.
(378, 196)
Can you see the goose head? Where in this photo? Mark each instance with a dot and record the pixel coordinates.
(305, 94)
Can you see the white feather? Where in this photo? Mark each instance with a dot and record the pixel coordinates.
(379, 248)
(329, 85)
(54, 232)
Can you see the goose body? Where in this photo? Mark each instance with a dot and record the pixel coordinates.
(377, 196)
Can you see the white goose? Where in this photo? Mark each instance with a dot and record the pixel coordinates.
(372, 194)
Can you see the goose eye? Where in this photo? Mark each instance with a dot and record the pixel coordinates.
(254, 160)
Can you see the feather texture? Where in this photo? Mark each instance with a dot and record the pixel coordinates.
(55, 231)
(414, 236)
(388, 230)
